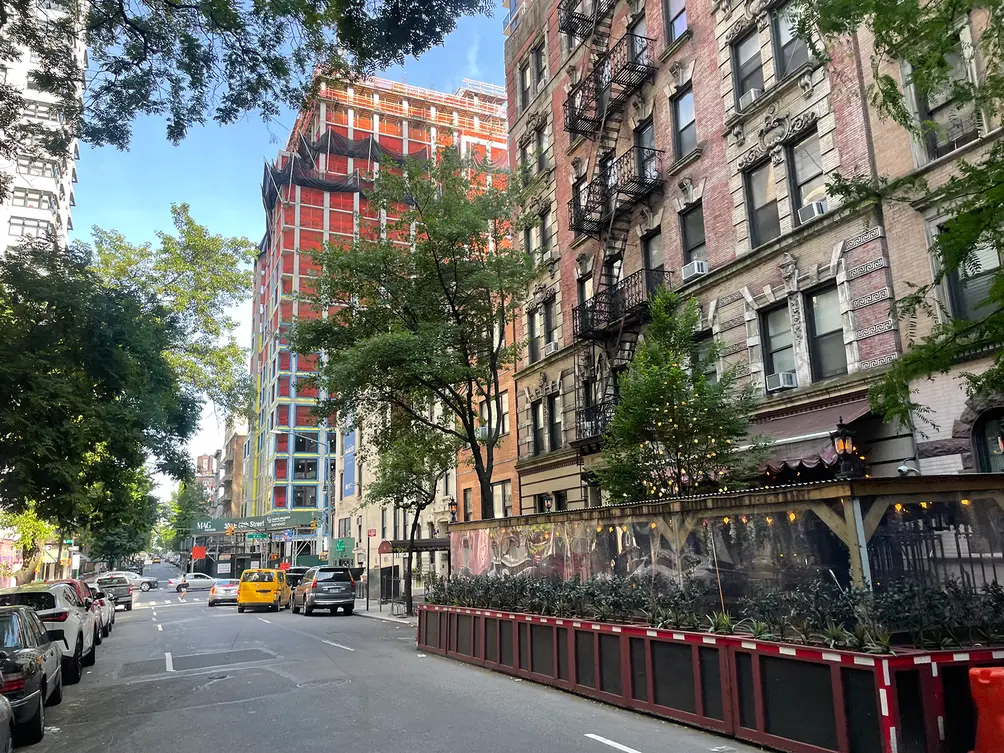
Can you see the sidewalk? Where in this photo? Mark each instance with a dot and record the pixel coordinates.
(384, 615)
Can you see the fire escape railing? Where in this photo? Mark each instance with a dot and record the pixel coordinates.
(616, 188)
(575, 17)
(592, 421)
(592, 319)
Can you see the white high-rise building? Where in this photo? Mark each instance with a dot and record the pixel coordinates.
(41, 194)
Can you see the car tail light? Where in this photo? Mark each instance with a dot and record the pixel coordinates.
(60, 616)
(12, 682)
(352, 581)
(130, 589)
(313, 584)
(212, 590)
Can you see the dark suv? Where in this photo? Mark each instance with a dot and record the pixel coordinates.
(325, 587)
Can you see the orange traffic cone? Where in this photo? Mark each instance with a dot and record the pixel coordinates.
(987, 684)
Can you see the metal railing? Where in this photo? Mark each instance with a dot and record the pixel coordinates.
(609, 83)
(592, 421)
(605, 309)
(575, 17)
(936, 557)
(616, 189)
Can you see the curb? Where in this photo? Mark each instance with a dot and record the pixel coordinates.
(394, 620)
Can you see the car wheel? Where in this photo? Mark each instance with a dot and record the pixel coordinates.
(348, 611)
(144, 586)
(210, 603)
(56, 697)
(73, 668)
(292, 605)
(91, 656)
(34, 729)
(105, 630)
(307, 610)
(99, 635)
(240, 608)
(9, 745)
(128, 607)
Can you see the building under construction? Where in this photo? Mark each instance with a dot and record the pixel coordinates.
(315, 194)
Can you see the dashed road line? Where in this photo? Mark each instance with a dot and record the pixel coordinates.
(337, 645)
(611, 743)
(168, 661)
(160, 628)
(264, 620)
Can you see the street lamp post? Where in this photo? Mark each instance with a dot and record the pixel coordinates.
(847, 451)
(329, 497)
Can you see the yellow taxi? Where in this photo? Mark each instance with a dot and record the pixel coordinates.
(263, 588)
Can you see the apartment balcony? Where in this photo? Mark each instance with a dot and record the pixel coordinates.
(580, 17)
(628, 299)
(616, 189)
(609, 83)
(592, 421)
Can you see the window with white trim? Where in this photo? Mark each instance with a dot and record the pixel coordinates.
(27, 227)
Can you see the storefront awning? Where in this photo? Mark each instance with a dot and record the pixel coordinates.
(802, 440)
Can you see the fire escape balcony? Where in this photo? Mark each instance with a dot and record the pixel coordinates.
(616, 189)
(575, 17)
(593, 420)
(609, 83)
(628, 299)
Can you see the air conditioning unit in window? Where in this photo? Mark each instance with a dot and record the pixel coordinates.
(551, 347)
(782, 380)
(696, 268)
(749, 98)
(812, 209)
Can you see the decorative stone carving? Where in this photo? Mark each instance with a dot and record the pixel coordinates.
(728, 350)
(874, 329)
(686, 186)
(743, 369)
(753, 10)
(774, 133)
(874, 363)
(867, 268)
(730, 298)
(542, 293)
(862, 238)
(763, 21)
(789, 272)
(795, 312)
(870, 299)
(577, 167)
(542, 380)
(739, 134)
(583, 265)
(805, 84)
(736, 321)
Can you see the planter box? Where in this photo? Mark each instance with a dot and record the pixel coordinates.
(801, 699)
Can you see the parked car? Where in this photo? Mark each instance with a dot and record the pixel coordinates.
(294, 575)
(196, 582)
(68, 618)
(224, 592)
(155, 561)
(6, 725)
(263, 588)
(107, 604)
(325, 587)
(31, 675)
(142, 582)
(82, 591)
(118, 589)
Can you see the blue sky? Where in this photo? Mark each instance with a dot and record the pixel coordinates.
(217, 169)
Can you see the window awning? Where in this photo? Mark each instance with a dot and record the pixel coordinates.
(803, 440)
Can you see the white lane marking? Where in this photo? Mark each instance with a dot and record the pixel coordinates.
(166, 601)
(337, 645)
(264, 620)
(611, 743)
(160, 628)
(168, 661)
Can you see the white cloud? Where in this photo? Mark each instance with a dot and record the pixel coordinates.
(473, 69)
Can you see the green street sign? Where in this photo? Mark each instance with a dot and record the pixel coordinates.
(340, 545)
(67, 541)
(257, 535)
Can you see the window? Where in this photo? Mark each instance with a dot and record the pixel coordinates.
(949, 125)
(39, 167)
(29, 228)
(761, 195)
(304, 496)
(639, 41)
(41, 111)
(585, 286)
(807, 178)
(305, 469)
(341, 485)
(550, 321)
(531, 334)
(344, 528)
(540, 148)
(23, 197)
(779, 350)
(705, 363)
(968, 292)
(826, 334)
(612, 270)
(504, 399)
(748, 66)
(539, 66)
(644, 139)
(528, 239)
(524, 86)
(545, 233)
(383, 523)
(502, 497)
(560, 501)
(359, 529)
(468, 505)
(554, 427)
(537, 417)
(446, 484)
(684, 124)
(676, 18)
(988, 436)
(524, 157)
(578, 201)
(540, 502)
(791, 51)
(692, 229)
(305, 442)
(397, 530)
(651, 247)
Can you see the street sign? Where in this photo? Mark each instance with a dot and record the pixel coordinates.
(255, 564)
(222, 568)
(67, 541)
(340, 545)
(257, 535)
(371, 532)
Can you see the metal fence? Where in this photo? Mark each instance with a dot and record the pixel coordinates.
(934, 557)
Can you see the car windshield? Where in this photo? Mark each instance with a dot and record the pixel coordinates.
(257, 577)
(35, 599)
(8, 632)
(334, 576)
(112, 582)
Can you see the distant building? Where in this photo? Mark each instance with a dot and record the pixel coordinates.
(230, 472)
(205, 474)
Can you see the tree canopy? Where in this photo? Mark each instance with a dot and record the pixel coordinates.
(923, 38)
(189, 502)
(417, 311)
(678, 428)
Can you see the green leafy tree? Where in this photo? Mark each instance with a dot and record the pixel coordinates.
(420, 326)
(677, 430)
(198, 278)
(113, 537)
(30, 533)
(86, 394)
(189, 503)
(920, 36)
(411, 460)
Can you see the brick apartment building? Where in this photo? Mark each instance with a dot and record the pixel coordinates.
(315, 193)
(687, 143)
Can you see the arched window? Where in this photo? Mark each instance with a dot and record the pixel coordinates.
(988, 439)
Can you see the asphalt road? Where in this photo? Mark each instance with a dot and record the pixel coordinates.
(183, 678)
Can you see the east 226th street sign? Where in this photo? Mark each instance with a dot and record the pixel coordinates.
(274, 522)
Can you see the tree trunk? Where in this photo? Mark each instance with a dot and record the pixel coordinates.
(409, 606)
(28, 565)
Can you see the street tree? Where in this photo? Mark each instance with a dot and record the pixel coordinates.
(123, 528)
(86, 394)
(198, 278)
(189, 503)
(678, 427)
(419, 313)
(918, 37)
(411, 461)
(195, 61)
(30, 534)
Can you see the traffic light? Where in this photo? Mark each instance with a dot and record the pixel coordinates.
(313, 524)
(231, 529)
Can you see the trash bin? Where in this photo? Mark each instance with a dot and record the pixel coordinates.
(987, 685)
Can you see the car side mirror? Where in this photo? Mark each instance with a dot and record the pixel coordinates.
(88, 602)
(100, 594)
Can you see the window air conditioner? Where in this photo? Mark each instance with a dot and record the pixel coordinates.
(696, 268)
(812, 209)
(551, 347)
(749, 98)
(782, 380)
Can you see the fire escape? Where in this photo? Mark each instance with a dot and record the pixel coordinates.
(610, 321)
